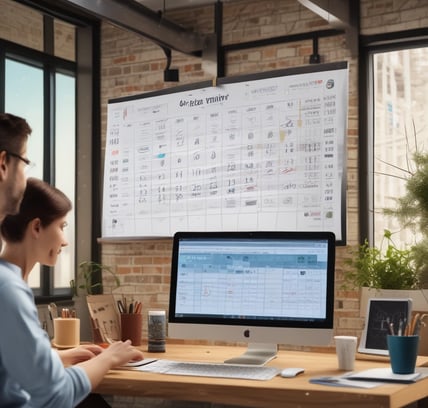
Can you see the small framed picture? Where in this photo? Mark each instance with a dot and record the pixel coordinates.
(383, 317)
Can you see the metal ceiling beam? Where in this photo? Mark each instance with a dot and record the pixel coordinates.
(340, 14)
(135, 17)
(336, 12)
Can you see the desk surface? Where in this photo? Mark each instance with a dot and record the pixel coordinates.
(278, 392)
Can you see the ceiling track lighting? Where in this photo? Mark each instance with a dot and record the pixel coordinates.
(169, 75)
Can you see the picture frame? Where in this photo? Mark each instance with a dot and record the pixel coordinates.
(383, 317)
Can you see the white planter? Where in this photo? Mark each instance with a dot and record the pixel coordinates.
(419, 297)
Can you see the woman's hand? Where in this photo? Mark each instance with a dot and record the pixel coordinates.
(79, 354)
(117, 354)
(121, 352)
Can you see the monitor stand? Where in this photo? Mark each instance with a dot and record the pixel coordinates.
(256, 354)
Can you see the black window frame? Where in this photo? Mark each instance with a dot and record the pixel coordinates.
(87, 117)
(50, 67)
(369, 46)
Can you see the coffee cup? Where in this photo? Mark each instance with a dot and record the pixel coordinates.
(346, 348)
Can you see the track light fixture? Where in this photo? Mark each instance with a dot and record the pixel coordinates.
(169, 75)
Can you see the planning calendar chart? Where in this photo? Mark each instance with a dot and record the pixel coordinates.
(264, 152)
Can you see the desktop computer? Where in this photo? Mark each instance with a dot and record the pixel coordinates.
(261, 288)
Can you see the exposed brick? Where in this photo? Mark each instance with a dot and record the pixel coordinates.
(242, 21)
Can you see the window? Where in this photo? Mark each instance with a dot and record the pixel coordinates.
(399, 123)
(51, 148)
(41, 80)
(24, 97)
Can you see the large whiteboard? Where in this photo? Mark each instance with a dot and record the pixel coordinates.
(263, 153)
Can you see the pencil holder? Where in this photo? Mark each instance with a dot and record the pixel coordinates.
(403, 351)
(66, 332)
(131, 326)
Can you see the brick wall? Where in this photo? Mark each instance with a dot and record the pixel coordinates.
(144, 270)
(21, 25)
(133, 65)
(386, 16)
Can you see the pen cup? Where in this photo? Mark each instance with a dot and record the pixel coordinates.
(131, 325)
(403, 351)
(66, 332)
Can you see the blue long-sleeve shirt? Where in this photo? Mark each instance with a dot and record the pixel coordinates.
(31, 372)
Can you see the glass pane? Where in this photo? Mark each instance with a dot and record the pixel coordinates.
(65, 152)
(24, 97)
(400, 109)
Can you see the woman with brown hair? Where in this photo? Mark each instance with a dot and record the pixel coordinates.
(31, 372)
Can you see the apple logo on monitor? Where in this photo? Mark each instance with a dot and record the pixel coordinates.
(246, 333)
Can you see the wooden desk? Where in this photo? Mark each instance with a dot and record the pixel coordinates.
(278, 392)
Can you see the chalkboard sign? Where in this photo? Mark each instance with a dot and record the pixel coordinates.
(381, 314)
(264, 152)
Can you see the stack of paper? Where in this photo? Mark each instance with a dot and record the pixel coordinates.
(384, 375)
(371, 378)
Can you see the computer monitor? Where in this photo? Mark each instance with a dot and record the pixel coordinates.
(261, 288)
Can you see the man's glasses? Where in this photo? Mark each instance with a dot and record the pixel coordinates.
(24, 159)
(28, 163)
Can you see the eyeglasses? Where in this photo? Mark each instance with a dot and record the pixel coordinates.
(24, 159)
(28, 164)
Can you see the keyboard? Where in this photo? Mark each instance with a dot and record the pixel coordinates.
(222, 370)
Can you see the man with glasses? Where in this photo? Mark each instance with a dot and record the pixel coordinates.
(14, 132)
(31, 375)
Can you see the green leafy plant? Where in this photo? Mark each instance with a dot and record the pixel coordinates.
(411, 209)
(87, 271)
(379, 268)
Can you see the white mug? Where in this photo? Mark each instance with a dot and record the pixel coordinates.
(346, 347)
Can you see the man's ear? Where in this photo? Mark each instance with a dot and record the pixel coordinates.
(3, 165)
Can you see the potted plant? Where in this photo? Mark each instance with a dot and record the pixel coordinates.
(85, 278)
(384, 267)
(89, 282)
(385, 271)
